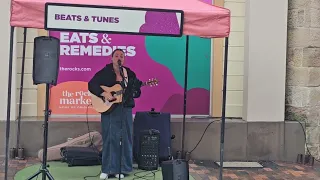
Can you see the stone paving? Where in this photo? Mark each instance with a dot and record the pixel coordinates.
(270, 171)
(208, 170)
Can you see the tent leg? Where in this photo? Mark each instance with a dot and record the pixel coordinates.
(185, 96)
(21, 87)
(9, 103)
(224, 95)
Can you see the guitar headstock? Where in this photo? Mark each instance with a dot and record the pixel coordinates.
(152, 82)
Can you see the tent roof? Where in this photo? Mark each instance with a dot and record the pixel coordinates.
(200, 19)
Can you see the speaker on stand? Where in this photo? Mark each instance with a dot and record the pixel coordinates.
(46, 60)
(45, 71)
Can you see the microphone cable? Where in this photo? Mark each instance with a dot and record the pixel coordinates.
(92, 144)
(145, 176)
(204, 132)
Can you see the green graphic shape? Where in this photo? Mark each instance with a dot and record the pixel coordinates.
(170, 52)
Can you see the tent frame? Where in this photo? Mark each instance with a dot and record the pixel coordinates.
(224, 91)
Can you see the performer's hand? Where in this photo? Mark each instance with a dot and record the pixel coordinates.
(108, 96)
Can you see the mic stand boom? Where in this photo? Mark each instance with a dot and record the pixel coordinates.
(45, 172)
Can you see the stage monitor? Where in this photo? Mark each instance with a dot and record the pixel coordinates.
(119, 20)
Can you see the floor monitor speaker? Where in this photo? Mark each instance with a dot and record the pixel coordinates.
(177, 169)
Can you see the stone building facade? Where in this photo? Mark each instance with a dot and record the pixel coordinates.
(303, 69)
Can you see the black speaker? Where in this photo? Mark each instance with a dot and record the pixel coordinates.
(46, 53)
(175, 170)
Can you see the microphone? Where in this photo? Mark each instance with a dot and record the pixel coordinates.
(119, 63)
(120, 67)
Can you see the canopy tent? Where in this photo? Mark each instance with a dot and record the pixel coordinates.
(200, 19)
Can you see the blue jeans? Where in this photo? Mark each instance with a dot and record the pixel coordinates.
(111, 129)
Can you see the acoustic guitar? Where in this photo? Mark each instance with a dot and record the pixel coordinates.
(103, 105)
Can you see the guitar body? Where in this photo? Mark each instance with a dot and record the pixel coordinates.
(103, 106)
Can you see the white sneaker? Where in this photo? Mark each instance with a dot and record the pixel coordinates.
(103, 176)
(121, 176)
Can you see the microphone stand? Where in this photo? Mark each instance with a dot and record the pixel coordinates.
(122, 108)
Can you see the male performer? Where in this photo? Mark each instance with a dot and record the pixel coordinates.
(111, 121)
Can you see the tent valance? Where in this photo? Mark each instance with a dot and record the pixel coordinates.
(200, 19)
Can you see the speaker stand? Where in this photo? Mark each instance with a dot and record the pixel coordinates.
(44, 171)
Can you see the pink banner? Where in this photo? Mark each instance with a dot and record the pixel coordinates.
(83, 54)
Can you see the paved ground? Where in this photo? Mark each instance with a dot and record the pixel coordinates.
(271, 171)
(207, 170)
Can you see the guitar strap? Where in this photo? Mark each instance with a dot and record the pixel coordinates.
(126, 77)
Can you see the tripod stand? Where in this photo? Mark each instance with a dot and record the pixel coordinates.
(44, 171)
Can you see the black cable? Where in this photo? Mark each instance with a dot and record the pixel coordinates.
(153, 172)
(145, 175)
(305, 140)
(92, 144)
(303, 129)
(204, 117)
(204, 132)
(87, 116)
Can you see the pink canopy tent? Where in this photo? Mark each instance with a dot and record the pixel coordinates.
(200, 19)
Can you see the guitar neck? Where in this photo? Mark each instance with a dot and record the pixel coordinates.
(144, 84)
(121, 91)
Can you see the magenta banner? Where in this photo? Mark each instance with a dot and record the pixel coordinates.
(83, 54)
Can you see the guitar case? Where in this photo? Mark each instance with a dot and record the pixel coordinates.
(153, 120)
(54, 152)
(81, 156)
